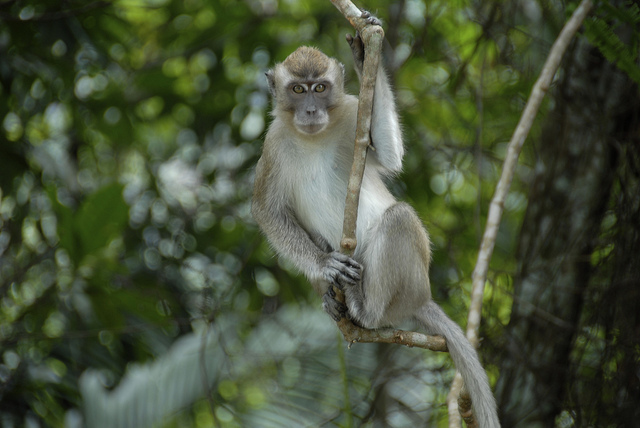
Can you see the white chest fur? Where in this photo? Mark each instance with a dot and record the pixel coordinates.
(319, 190)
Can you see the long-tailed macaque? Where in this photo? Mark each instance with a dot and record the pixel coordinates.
(299, 199)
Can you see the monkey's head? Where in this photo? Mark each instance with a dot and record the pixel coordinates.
(306, 86)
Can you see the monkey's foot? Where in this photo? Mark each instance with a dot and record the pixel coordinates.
(335, 309)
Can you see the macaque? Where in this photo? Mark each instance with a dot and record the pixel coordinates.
(299, 199)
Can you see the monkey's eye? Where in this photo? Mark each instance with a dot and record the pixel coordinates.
(298, 89)
(320, 88)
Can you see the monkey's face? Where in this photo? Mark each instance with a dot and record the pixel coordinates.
(310, 102)
(307, 86)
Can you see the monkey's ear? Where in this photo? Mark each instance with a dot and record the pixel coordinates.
(271, 81)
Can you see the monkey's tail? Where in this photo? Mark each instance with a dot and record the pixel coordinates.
(466, 360)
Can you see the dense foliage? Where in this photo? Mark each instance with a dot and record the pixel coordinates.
(130, 265)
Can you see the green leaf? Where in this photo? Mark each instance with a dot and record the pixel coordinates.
(66, 226)
(601, 32)
(102, 217)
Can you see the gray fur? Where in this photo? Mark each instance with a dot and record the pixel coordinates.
(465, 357)
(299, 198)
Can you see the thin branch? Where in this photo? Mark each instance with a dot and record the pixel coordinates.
(513, 151)
(465, 410)
(496, 208)
(372, 37)
(455, 419)
(354, 16)
(346, 401)
(412, 339)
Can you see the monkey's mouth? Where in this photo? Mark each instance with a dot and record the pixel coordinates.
(311, 128)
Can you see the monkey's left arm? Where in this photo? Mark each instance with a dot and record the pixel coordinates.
(386, 135)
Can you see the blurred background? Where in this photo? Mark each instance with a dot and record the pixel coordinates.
(137, 291)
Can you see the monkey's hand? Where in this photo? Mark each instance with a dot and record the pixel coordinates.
(357, 49)
(337, 310)
(355, 42)
(340, 270)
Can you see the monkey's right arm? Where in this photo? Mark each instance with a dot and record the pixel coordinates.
(272, 210)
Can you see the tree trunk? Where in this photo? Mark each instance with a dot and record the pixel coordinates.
(578, 168)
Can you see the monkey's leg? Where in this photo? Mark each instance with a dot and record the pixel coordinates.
(395, 281)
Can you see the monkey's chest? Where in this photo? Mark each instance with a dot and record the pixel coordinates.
(320, 195)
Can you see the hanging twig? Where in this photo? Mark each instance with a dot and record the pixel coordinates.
(538, 92)
(513, 151)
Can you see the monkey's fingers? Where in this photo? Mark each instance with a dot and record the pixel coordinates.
(340, 270)
(342, 277)
(353, 272)
(347, 277)
(350, 268)
(344, 259)
(334, 277)
(371, 20)
(353, 269)
(355, 42)
(351, 278)
(353, 264)
(351, 39)
(357, 49)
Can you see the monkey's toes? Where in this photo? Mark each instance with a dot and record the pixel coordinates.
(335, 309)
